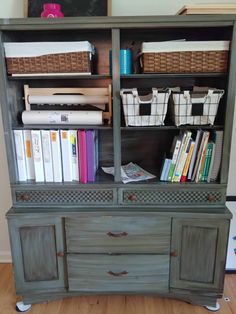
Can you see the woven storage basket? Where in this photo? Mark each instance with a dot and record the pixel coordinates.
(187, 57)
(146, 110)
(63, 59)
(197, 107)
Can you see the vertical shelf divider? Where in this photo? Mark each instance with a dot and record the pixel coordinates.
(116, 102)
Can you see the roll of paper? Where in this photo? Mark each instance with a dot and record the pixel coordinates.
(68, 99)
(62, 117)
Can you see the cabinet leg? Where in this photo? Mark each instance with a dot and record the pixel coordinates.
(213, 308)
(21, 307)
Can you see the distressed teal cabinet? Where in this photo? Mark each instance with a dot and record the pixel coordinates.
(149, 237)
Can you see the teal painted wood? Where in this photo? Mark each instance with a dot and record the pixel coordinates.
(35, 244)
(198, 254)
(229, 116)
(117, 234)
(146, 273)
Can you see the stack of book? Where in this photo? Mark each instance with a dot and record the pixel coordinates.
(194, 158)
(56, 155)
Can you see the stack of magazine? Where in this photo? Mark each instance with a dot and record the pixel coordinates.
(194, 156)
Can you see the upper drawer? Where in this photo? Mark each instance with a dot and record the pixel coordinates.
(78, 196)
(116, 234)
(171, 196)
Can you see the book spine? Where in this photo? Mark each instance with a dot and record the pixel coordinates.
(90, 147)
(29, 155)
(83, 156)
(174, 159)
(187, 163)
(20, 155)
(56, 155)
(38, 155)
(202, 158)
(74, 155)
(66, 155)
(207, 162)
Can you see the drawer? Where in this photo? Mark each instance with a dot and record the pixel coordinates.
(122, 273)
(170, 196)
(50, 196)
(117, 234)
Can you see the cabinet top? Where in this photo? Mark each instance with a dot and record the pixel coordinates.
(118, 22)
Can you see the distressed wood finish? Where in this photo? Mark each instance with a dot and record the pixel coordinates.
(198, 257)
(109, 234)
(118, 273)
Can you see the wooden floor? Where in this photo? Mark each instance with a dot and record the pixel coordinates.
(111, 304)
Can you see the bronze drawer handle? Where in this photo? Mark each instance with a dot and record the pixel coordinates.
(211, 198)
(132, 197)
(122, 273)
(173, 254)
(23, 197)
(60, 254)
(117, 235)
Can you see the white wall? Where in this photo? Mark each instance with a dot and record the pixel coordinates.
(15, 8)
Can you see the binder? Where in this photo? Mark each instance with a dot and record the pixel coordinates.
(20, 155)
(47, 155)
(82, 156)
(38, 155)
(74, 155)
(66, 152)
(56, 155)
(92, 154)
(218, 139)
(28, 155)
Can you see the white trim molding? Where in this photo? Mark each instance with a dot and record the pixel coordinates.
(5, 257)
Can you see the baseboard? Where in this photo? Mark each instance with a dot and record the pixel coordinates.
(5, 257)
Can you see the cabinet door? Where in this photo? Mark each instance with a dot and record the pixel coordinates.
(198, 253)
(36, 246)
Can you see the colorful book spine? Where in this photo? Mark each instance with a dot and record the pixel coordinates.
(28, 155)
(47, 155)
(74, 155)
(165, 169)
(91, 146)
(83, 156)
(174, 159)
(207, 162)
(187, 163)
(194, 155)
(202, 156)
(20, 155)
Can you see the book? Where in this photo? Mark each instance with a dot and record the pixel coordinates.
(187, 162)
(182, 157)
(218, 139)
(56, 155)
(198, 157)
(194, 154)
(165, 169)
(29, 160)
(20, 155)
(202, 153)
(66, 153)
(207, 162)
(47, 155)
(92, 154)
(174, 152)
(74, 155)
(211, 162)
(38, 155)
(82, 156)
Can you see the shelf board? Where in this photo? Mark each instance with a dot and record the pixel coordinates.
(58, 77)
(62, 127)
(172, 75)
(171, 127)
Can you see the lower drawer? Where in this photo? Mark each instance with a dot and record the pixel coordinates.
(121, 273)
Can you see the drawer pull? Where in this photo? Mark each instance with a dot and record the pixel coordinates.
(173, 254)
(132, 197)
(117, 235)
(122, 273)
(211, 198)
(60, 254)
(23, 197)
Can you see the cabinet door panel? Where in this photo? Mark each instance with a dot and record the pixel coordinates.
(36, 243)
(198, 254)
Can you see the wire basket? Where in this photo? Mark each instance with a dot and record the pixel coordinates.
(144, 110)
(195, 107)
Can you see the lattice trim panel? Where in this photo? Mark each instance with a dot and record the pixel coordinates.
(75, 197)
(173, 197)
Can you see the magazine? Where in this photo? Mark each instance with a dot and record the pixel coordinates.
(130, 173)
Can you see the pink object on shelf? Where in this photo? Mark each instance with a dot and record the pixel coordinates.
(52, 10)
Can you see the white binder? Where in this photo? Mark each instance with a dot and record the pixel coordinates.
(38, 155)
(56, 155)
(29, 155)
(20, 155)
(66, 152)
(47, 155)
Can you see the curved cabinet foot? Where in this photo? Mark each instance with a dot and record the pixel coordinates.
(213, 308)
(21, 307)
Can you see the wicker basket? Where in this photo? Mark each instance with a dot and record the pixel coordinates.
(31, 62)
(201, 59)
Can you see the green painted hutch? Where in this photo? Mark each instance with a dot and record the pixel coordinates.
(151, 237)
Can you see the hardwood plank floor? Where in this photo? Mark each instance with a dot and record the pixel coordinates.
(111, 304)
